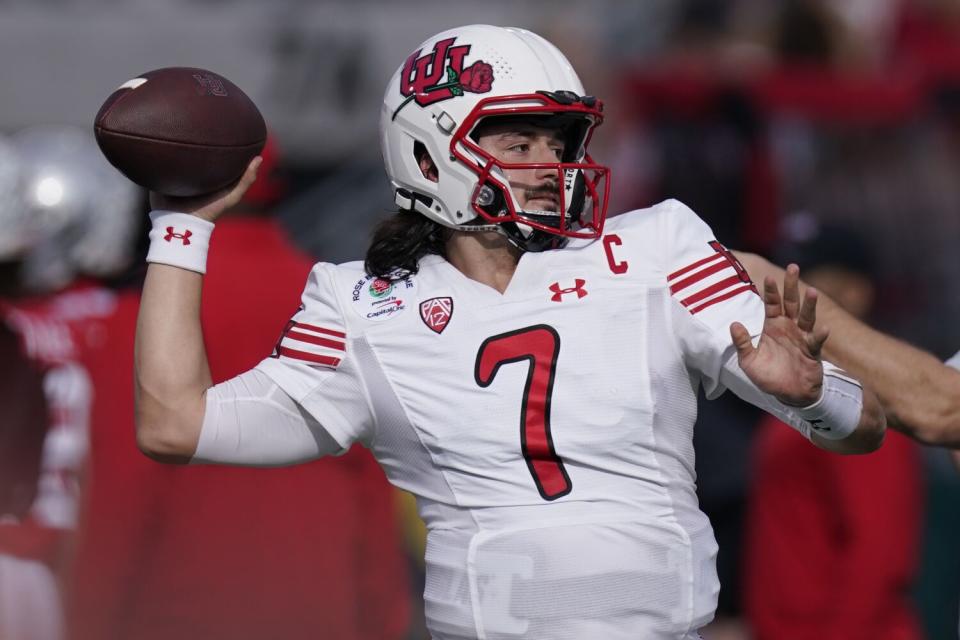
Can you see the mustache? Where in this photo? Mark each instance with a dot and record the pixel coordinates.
(531, 192)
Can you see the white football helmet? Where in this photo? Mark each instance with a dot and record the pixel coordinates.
(451, 83)
(25, 226)
(67, 181)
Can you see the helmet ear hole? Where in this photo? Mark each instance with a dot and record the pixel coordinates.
(427, 166)
(490, 199)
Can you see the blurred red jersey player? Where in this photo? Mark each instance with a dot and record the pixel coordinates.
(217, 553)
(833, 542)
(40, 482)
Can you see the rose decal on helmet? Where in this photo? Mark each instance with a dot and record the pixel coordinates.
(477, 78)
(423, 80)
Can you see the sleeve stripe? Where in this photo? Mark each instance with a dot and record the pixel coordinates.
(309, 357)
(700, 275)
(691, 267)
(329, 332)
(324, 342)
(706, 292)
(721, 298)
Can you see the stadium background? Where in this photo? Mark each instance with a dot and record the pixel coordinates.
(767, 117)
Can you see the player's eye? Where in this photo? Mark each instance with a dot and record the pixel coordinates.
(557, 151)
(520, 148)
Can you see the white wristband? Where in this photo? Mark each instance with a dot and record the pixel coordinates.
(837, 413)
(180, 240)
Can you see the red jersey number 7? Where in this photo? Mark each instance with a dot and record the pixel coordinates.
(539, 347)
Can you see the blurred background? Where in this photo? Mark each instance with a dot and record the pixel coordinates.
(825, 132)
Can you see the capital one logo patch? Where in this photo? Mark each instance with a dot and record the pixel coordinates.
(436, 313)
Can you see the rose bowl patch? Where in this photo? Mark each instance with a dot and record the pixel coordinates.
(378, 299)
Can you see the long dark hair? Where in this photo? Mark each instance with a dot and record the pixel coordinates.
(398, 243)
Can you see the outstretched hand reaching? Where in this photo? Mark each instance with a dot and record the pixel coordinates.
(786, 362)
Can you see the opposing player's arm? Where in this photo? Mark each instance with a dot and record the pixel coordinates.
(825, 403)
(920, 394)
(764, 348)
(171, 373)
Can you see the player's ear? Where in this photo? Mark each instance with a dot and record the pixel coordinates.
(427, 166)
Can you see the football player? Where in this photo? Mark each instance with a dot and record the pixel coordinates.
(42, 181)
(525, 367)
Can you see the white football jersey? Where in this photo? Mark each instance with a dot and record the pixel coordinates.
(546, 431)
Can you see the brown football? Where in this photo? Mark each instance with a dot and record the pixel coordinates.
(180, 131)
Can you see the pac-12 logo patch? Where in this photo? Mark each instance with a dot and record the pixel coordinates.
(436, 313)
(378, 299)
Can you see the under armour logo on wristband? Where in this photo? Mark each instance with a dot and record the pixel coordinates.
(577, 288)
(182, 237)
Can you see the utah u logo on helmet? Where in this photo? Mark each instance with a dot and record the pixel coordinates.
(423, 77)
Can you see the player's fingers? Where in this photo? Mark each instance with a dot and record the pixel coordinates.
(741, 340)
(771, 298)
(808, 311)
(209, 206)
(246, 180)
(791, 291)
(816, 340)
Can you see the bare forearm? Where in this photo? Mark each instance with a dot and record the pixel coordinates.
(920, 395)
(171, 371)
(170, 363)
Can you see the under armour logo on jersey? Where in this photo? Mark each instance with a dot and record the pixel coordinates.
(182, 237)
(577, 288)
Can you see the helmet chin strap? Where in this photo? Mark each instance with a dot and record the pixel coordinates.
(523, 236)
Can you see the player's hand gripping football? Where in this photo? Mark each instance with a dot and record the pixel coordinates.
(212, 205)
(786, 362)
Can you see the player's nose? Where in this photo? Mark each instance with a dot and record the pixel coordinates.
(544, 153)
